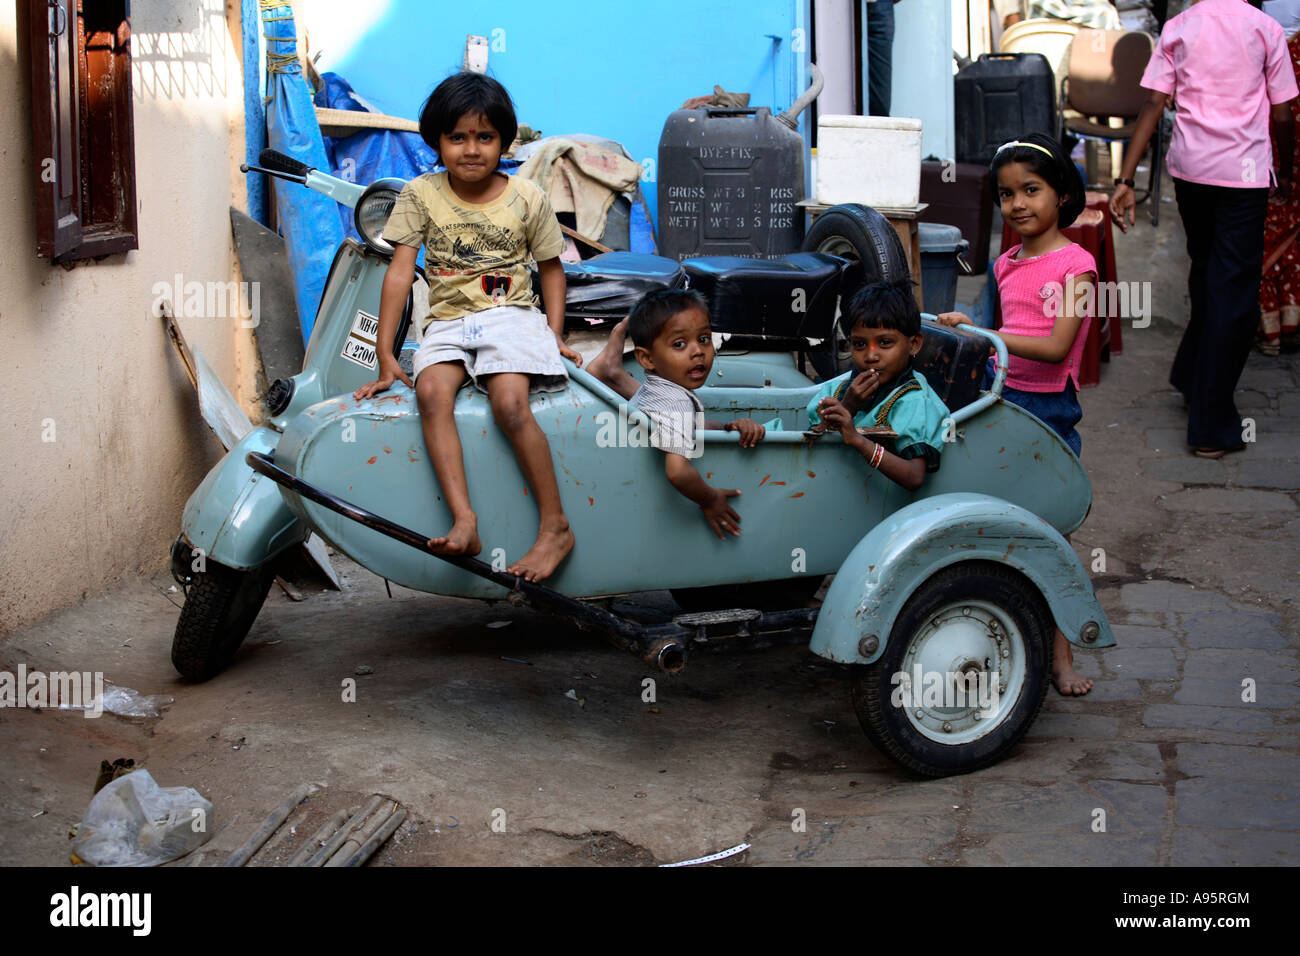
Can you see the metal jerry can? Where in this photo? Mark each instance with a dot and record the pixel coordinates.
(728, 183)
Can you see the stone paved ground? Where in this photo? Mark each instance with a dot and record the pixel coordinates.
(1201, 584)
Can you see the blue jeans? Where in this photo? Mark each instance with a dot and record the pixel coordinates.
(880, 56)
(1059, 411)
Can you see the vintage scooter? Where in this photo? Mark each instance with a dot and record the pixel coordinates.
(943, 601)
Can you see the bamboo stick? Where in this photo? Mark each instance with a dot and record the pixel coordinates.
(269, 826)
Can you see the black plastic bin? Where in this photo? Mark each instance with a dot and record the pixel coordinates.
(1000, 97)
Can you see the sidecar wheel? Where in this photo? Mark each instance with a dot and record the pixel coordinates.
(860, 234)
(979, 619)
(219, 609)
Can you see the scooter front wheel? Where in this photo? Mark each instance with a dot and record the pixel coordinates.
(220, 607)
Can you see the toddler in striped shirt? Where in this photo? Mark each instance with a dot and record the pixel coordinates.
(674, 344)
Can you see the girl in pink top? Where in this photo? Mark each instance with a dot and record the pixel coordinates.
(1045, 286)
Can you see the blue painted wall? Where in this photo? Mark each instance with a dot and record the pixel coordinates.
(617, 69)
(579, 66)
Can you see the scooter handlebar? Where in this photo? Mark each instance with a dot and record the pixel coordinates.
(277, 161)
(277, 164)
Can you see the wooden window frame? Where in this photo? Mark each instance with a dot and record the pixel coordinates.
(82, 127)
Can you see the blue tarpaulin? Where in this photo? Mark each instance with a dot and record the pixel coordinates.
(369, 154)
(372, 154)
(308, 220)
(254, 114)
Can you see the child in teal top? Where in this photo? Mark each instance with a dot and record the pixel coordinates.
(883, 390)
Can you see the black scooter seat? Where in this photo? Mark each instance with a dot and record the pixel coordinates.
(793, 296)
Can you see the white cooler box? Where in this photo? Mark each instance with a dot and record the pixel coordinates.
(873, 160)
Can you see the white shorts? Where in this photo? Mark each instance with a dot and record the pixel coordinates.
(507, 338)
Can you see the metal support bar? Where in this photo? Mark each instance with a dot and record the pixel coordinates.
(663, 645)
(665, 651)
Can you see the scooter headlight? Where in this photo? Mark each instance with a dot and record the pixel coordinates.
(372, 211)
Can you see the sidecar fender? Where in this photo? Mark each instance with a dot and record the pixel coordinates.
(903, 551)
(238, 518)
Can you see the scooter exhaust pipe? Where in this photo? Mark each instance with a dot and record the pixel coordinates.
(668, 654)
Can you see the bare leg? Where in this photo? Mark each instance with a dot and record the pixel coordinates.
(435, 391)
(1068, 681)
(608, 365)
(509, 394)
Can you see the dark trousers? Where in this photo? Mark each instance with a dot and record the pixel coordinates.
(1225, 241)
(880, 56)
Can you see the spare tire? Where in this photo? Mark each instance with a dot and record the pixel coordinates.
(863, 236)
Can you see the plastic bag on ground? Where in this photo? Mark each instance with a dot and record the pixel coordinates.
(125, 702)
(135, 822)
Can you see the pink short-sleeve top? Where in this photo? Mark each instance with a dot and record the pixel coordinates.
(1032, 292)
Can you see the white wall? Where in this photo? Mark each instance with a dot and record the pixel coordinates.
(82, 350)
(835, 56)
(922, 82)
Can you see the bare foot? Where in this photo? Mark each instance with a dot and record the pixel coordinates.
(1068, 681)
(608, 365)
(461, 539)
(550, 548)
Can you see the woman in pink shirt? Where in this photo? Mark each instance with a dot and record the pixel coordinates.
(1045, 288)
(1226, 67)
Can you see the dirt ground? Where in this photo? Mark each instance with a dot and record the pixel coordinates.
(447, 721)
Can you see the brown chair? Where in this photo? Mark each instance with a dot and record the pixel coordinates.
(1103, 82)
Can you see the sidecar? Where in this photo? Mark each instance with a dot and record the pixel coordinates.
(944, 599)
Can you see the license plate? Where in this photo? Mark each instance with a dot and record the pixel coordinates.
(360, 346)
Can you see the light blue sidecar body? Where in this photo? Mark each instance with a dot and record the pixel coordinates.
(804, 507)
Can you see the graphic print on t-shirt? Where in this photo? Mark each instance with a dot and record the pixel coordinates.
(471, 246)
(496, 287)
(462, 244)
